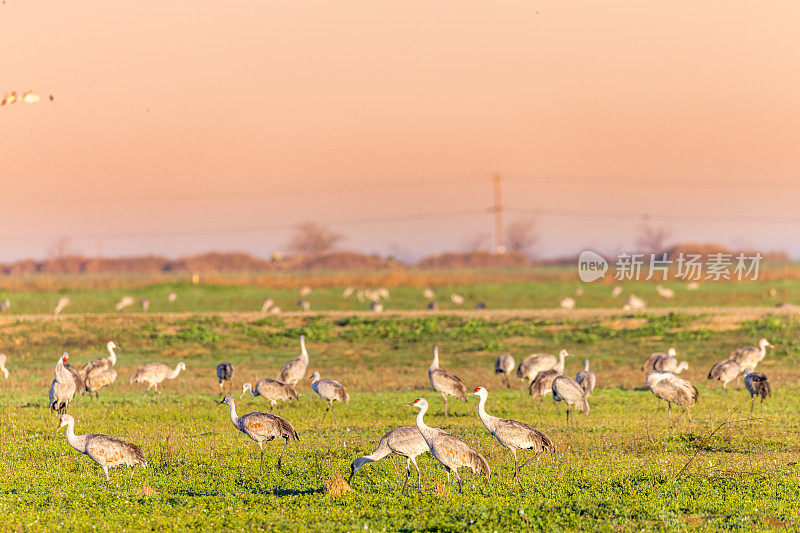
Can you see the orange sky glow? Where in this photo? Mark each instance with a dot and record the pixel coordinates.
(183, 126)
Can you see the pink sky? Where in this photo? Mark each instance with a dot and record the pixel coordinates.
(221, 125)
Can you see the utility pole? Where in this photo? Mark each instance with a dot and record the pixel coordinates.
(498, 217)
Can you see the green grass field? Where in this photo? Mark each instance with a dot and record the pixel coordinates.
(622, 467)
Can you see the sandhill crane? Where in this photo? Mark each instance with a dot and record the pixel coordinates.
(30, 97)
(293, 371)
(262, 427)
(616, 291)
(457, 299)
(155, 373)
(63, 302)
(480, 305)
(376, 306)
(3, 368)
(750, 356)
(512, 434)
(634, 303)
(404, 441)
(567, 390)
(756, 384)
(106, 451)
(80, 384)
(267, 304)
(452, 452)
(63, 387)
(566, 303)
(586, 379)
(429, 294)
(329, 390)
(444, 382)
(432, 306)
(673, 389)
(665, 292)
(101, 362)
(304, 305)
(99, 379)
(542, 385)
(383, 292)
(224, 374)
(667, 362)
(5, 305)
(171, 297)
(272, 390)
(505, 365)
(692, 286)
(145, 303)
(725, 372)
(348, 292)
(125, 301)
(539, 362)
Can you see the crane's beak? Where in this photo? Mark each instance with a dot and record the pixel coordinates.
(221, 402)
(408, 405)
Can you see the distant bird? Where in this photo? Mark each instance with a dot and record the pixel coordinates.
(539, 362)
(63, 302)
(106, 451)
(376, 306)
(480, 305)
(267, 304)
(432, 306)
(665, 292)
(145, 303)
(429, 294)
(616, 291)
(304, 291)
(542, 385)
(293, 371)
(304, 305)
(348, 292)
(567, 390)
(750, 356)
(457, 299)
(673, 389)
(99, 379)
(262, 427)
(271, 390)
(634, 303)
(667, 362)
(586, 379)
(692, 286)
(224, 374)
(404, 441)
(444, 382)
(756, 384)
(329, 390)
(725, 372)
(30, 97)
(101, 362)
(125, 301)
(512, 434)
(566, 303)
(62, 389)
(172, 297)
(452, 452)
(155, 373)
(5, 305)
(275, 310)
(3, 368)
(505, 365)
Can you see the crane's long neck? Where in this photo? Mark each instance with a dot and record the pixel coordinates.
(253, 391)
(174, 373)
(382, 451)
(112, 356)
(4, 370)
(435, 362)
(303, 350)
(62, 373)
(234, 418)
(486, 418)
(586, 364)
(427, 431)
(76, 441)
(560, 365)
(763, 348)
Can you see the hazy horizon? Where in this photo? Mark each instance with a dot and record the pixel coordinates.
(183, 127)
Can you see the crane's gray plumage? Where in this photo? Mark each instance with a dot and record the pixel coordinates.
(452, 452)
(530, 367)
(667, 362)
(567, 390)
(294, 370)
(757, 385)
(272, 390)
(404, 441)
(100, 363)
(513, 434)
(505, 365)
(586, 379)
(542, 385)
(444, 382)
(155, 373)
(725, 372)
(106, 451)
(329, 390)
(224, 374)
(673, 389)
(750, 356)
(99, 379)
(262, 427)
(80, 385)
(3, 368)
(62, 389)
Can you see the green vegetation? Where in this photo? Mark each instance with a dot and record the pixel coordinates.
(622, 467)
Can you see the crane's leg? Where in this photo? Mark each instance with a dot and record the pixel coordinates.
(445, 404)
(516, 467)
(130, 479)
(458, 478)
(158, 394)
(669, 411)
(261, 445)
(447, 470)
(762, 405)
(333, 412)
(419, 474)
(541, 401)
(280, 459)
(752, 399)
(568, 411)
(105, 471)
(326, 412)
(405, 481)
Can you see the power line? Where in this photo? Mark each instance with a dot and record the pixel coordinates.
(669, 217)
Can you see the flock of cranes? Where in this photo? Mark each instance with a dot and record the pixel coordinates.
(544, 372)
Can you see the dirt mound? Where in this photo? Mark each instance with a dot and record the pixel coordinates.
(474, 260)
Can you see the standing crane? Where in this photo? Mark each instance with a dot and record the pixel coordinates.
(542, 385)
(262, 427)
(750, 356)
(3, 368)
(539, 362)
(106, 451)
(155, 373)
(404, 441)
(586, 379)
(272, 390)
(673, 389)
(224, 374)
(444, 382)
(725, 372)
(452, 452)
(100, 378)
(667, 362)
(63, 302)
(505, 365)
(567, 390)
(512, 434)
(329, 390)
(756, 384)
(101, 362)
(294, 370)
(80, 385)
(62, 389)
